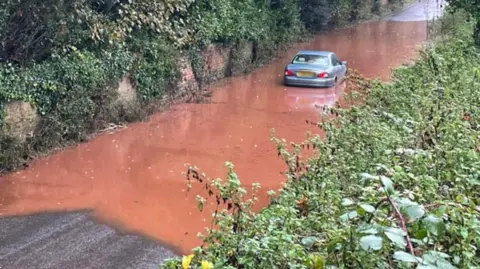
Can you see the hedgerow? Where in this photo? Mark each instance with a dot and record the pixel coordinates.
(393, 183)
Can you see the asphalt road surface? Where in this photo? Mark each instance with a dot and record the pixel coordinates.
(420, 11)
(74, 240)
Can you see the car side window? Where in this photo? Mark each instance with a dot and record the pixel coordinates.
(335, 61)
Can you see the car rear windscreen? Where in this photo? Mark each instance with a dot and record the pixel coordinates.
(310, 59)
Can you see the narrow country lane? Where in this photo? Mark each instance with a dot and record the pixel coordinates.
(132, 180)
(420, 10)
(72, 241)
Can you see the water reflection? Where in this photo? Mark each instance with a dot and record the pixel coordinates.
(314, 99)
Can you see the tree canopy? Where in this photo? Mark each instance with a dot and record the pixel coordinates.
(472, 7)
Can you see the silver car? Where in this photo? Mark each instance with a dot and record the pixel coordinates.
(315, 69)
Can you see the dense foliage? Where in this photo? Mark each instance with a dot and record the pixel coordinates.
(34, 29)
(472, 7)
(394, 183)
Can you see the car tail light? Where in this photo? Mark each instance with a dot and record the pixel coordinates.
(289, 73)
(323, 75)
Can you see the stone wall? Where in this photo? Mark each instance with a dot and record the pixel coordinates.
(219, 61)
(20, 120)
(241, 58)
(188, 81)
(127, 94)
(215, 62)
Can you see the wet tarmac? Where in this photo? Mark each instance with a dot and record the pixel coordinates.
(132, 179)
(421, 11)
(72, 240)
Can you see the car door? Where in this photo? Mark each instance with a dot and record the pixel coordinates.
(343, 69)
(338, 67)
(335, 64)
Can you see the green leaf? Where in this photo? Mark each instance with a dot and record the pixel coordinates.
(348, 216)
(309, 241)
(200, 206)
(315, 262)
(347, 202)
(367, 176)
(397, 231)
(421, 233)
(444, 264)
(418, 242)
(371, 242)
(414, 212)
(397, 239)
(411, 209)
(367, 208)
(426, 266)
(405, 257)
(387, 184)
(200, 203)
(435, 225)
(434, 256)
(369, 231)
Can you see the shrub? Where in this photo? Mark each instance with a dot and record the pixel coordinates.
(156, 68)
(394, 183)
(69, 91)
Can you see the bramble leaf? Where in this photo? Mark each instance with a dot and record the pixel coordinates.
(371, 242)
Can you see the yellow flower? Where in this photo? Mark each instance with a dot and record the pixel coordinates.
(207, 265)
(186, 261)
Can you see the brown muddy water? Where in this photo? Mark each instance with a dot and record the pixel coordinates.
(132, 179)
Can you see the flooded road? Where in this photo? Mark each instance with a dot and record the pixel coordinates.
(132, 179)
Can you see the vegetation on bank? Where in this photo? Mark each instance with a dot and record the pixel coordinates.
(67, 57)
(395, 182)
(473, 8)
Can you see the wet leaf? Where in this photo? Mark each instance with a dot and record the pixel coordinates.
(200, 203)
(347, 202)
(367, 176)
(397, 231)
(435, 225)
(426, 266)
(371, 242)
(308, 242)
(369, 231)
(367, 208)
(405, 257)
(414, 212)
(411, 209)
(398, 239)
(443, 264)
(348, 216)
(434, 256)
(387, 184)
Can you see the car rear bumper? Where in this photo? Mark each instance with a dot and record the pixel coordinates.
(309, 82)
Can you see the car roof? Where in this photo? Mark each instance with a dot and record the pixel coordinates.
(314, 52)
